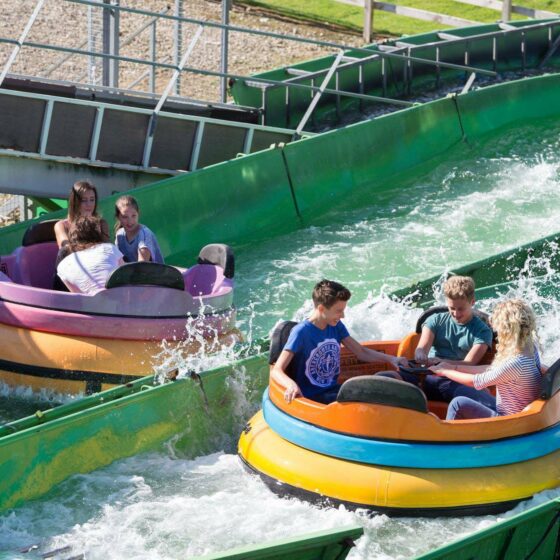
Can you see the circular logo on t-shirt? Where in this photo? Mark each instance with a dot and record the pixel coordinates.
(323, 363)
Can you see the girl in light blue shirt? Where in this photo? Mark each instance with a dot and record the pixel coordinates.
(134, 240)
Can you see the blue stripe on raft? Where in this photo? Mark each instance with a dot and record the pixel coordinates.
(417, 455)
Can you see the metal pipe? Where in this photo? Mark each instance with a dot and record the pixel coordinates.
(21, 40)
(224, 50)
(406, 57)
(62, 60)
(91, 74)
(110, 43)
(165, 94)
(550, 52)
(178, 39)
(318, 95)
(179, 69)
(126, 42)
(469, 83)
(438, 69)
(153, 56)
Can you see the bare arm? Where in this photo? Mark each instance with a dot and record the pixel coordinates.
(367, 355)
(144, 254)
(475, 354)
(459, 366)
(424, 345)
(61, 233)
(454, 375)
(278, 373)
(469, 364)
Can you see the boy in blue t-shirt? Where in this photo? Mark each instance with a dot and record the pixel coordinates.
(314, 348)
(457, 337)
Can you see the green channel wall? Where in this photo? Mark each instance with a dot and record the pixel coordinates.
(198, 415)
(332, 544)
(275, 191)
(351, 166)
(531, 534)
(422, 77)
(538, 258)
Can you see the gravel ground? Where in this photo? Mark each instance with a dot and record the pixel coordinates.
(65, 23)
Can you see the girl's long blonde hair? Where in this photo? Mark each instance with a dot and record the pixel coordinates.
(515, 323)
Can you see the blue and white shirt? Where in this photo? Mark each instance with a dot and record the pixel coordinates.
(144, 238)
(316, 356)
(518, 382)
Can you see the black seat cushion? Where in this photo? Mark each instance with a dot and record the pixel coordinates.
(374, 389)
(146, 274)
(551, 381)
(40, 232)
(278, 341)
(429, 313)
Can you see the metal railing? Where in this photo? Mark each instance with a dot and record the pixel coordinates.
(224, 75)
(102, 115)
(402, 53)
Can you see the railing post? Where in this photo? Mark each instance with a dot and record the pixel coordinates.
(318, 94)
(506, 10)
(176, 74)
(224, 53)
(153, 55)
(368, 20)
(178, 41)
(111, 43)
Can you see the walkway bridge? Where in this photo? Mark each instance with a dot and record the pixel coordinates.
(49, 140)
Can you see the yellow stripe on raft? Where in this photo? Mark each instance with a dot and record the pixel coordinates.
(392, 487)
(65, 352)
(109, 355)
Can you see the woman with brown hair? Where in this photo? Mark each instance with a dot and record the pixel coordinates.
(82, 201)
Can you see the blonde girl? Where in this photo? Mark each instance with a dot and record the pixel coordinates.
(135, 241)
(516, 370)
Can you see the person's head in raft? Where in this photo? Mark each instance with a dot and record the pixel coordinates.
(82, 200)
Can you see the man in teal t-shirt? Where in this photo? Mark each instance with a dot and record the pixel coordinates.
(453, 341)
(457, 336)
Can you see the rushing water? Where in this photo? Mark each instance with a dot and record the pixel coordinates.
(482, 199)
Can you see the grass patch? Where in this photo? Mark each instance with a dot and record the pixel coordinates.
(387, 24)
